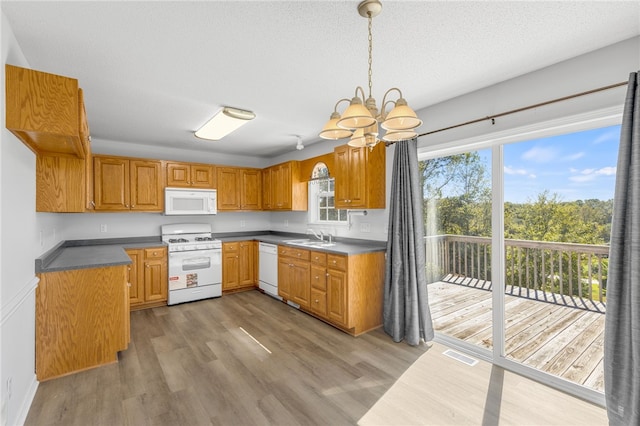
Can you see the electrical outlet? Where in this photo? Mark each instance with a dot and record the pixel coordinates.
(243, 224)
(365, 227)
(103, 227)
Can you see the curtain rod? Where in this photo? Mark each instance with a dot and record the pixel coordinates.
(513, 111)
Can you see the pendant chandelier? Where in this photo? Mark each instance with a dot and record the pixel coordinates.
(360, 121)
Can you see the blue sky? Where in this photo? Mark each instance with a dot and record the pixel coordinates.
(575, 166)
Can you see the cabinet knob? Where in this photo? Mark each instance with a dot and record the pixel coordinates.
(317, 277)
(317, 301)
(126, 205)
(133, 205)
(299, 254)
(327, 274)
(334, 262)
(237, 257)
(93, 203)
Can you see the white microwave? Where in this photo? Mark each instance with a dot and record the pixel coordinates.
(185, 201)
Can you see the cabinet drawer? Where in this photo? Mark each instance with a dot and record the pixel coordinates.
(231, 246)
(293, 252)
(318, 278)
(319, 302)
(318, 258)
(155, 253)
(337, 262)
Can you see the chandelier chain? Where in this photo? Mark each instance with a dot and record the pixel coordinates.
(370, 53)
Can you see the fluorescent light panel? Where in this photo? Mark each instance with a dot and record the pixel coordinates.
(224, 122)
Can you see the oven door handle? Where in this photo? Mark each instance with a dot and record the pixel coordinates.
(196, 263)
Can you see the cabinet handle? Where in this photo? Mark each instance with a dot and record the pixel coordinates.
(299, 254)
(327, 274)
(93, 204)
(133, 205)
(146, 265)
(237, 257)
(334, 262)
(126, 205)
(317, 301)
(128, 284)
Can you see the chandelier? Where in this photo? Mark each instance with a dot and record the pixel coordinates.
(359, 122)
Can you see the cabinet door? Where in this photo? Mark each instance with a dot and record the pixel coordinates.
(284, 277)
(246, 270)
(178, 175)
(202, 176)
(146, 185)
(318, 297)
(357, 176)
(251, 189)
(155, 280)
(301, 282)
(136, 290)
(85, 139)
(228, 188)
(230, 266)
(111, 183)
(341, 166)
(337, 296)
(266, 189)
(281, 184)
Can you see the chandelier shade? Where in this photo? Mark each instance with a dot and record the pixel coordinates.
(356, 116)
(402, 117)
(331, 129)
(399, 135)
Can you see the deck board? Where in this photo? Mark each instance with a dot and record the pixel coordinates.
(562, 339)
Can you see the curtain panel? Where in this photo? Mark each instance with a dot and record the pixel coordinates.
(622, 320)
(406, 314)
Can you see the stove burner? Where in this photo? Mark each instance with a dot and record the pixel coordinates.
(178, 240)
(204, 238)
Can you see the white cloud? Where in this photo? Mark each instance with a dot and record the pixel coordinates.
(540, 155)
(612, 135)
(573, 157)
(587, 175)
(532, 176)
(511, 171)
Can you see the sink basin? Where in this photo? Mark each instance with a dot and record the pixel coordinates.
(309, 243)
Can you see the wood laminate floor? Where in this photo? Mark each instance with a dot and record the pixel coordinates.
(198, 364)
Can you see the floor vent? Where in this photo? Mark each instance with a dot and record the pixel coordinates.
(461, 357)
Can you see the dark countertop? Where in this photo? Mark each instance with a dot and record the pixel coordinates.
(345, 246)
(96, 253)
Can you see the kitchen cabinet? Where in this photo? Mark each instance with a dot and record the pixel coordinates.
(46, 112)
(82, 319)
(266, 189)
(190, 175)
(360, 177)
(318, 298)
(239, 265)
(64, 183)
(343, 290)
(128, 184)
(294, 272)
(148, 277)
(285, 189)
(239, 189)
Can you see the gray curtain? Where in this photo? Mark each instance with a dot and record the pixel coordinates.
(406, 314)
(622, 321)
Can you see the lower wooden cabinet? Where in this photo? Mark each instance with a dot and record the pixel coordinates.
(82, 319)
(239, 265)
(345, 291)
(148, 277)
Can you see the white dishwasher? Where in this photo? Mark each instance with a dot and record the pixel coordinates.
(268, 268)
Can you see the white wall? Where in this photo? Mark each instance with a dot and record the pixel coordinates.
(24, 235)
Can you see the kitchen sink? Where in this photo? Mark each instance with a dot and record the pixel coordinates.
(309, 243)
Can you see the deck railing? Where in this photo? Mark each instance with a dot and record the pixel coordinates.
(532, 267)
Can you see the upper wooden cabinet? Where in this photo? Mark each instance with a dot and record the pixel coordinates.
(239, 189)
(46, 112)
(190, 175)
(284, 188)
(123, 184)
(360, 177)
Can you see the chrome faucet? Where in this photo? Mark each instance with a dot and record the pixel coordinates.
(320, 237)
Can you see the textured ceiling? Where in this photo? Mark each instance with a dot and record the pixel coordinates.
(154, 72)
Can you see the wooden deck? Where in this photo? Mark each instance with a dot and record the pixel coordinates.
(566, 341)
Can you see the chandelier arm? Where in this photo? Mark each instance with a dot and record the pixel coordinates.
(335, 108)
(383, 109)
(361, 91)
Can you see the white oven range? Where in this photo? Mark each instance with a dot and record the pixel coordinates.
(195, 262)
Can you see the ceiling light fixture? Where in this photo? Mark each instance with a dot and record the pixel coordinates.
(360, 120)
(224, 122)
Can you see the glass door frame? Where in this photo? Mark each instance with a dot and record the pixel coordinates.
(596, 119)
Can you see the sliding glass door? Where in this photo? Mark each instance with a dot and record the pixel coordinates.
(457, 209)
(538, 305)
